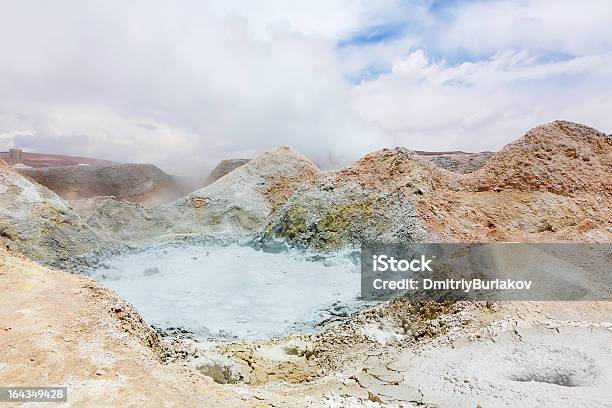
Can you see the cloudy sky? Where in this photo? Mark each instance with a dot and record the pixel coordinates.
(183, 84)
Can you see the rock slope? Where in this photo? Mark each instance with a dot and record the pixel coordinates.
(224, 167)
(458, 162)
(561, 157)
(554, 183)
(521, 193)
(245, 198)
(371, 199)
(125, 222)
(140, 183)
(36, 222)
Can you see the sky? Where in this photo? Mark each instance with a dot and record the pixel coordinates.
(183, 84)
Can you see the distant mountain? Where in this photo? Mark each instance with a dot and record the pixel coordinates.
(51, 160)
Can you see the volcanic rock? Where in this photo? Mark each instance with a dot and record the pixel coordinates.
(38, 223)
(123, 221)
(246, 197)
(549, 185)
(457, 162)
(561, 157)
(371, 199)
(141, 183)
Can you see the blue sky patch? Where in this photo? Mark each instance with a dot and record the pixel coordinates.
(374, 35)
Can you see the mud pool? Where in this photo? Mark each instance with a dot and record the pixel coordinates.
(233, 290)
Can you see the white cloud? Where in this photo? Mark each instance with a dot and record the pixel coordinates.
(327, 18)
(185, 84)
(558, 26)
(429, 105)
(207, 85)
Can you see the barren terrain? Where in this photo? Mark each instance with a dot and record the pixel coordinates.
(552, 184)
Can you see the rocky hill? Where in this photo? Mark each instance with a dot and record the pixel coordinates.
(130, 223)
(561, 157)
(552, 184)
(395, 194)
(141, 183)
(372, 198)
(38, 223)
(246, 197)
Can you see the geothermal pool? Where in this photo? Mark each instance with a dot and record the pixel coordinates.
(232, 290)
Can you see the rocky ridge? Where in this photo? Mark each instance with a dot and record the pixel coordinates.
(139, 183)
(391, 194)
(552, 184)
(561, 157)
(372, 198)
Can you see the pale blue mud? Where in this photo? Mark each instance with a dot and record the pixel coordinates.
(233, 289)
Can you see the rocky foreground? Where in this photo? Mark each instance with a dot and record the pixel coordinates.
(553, 184)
